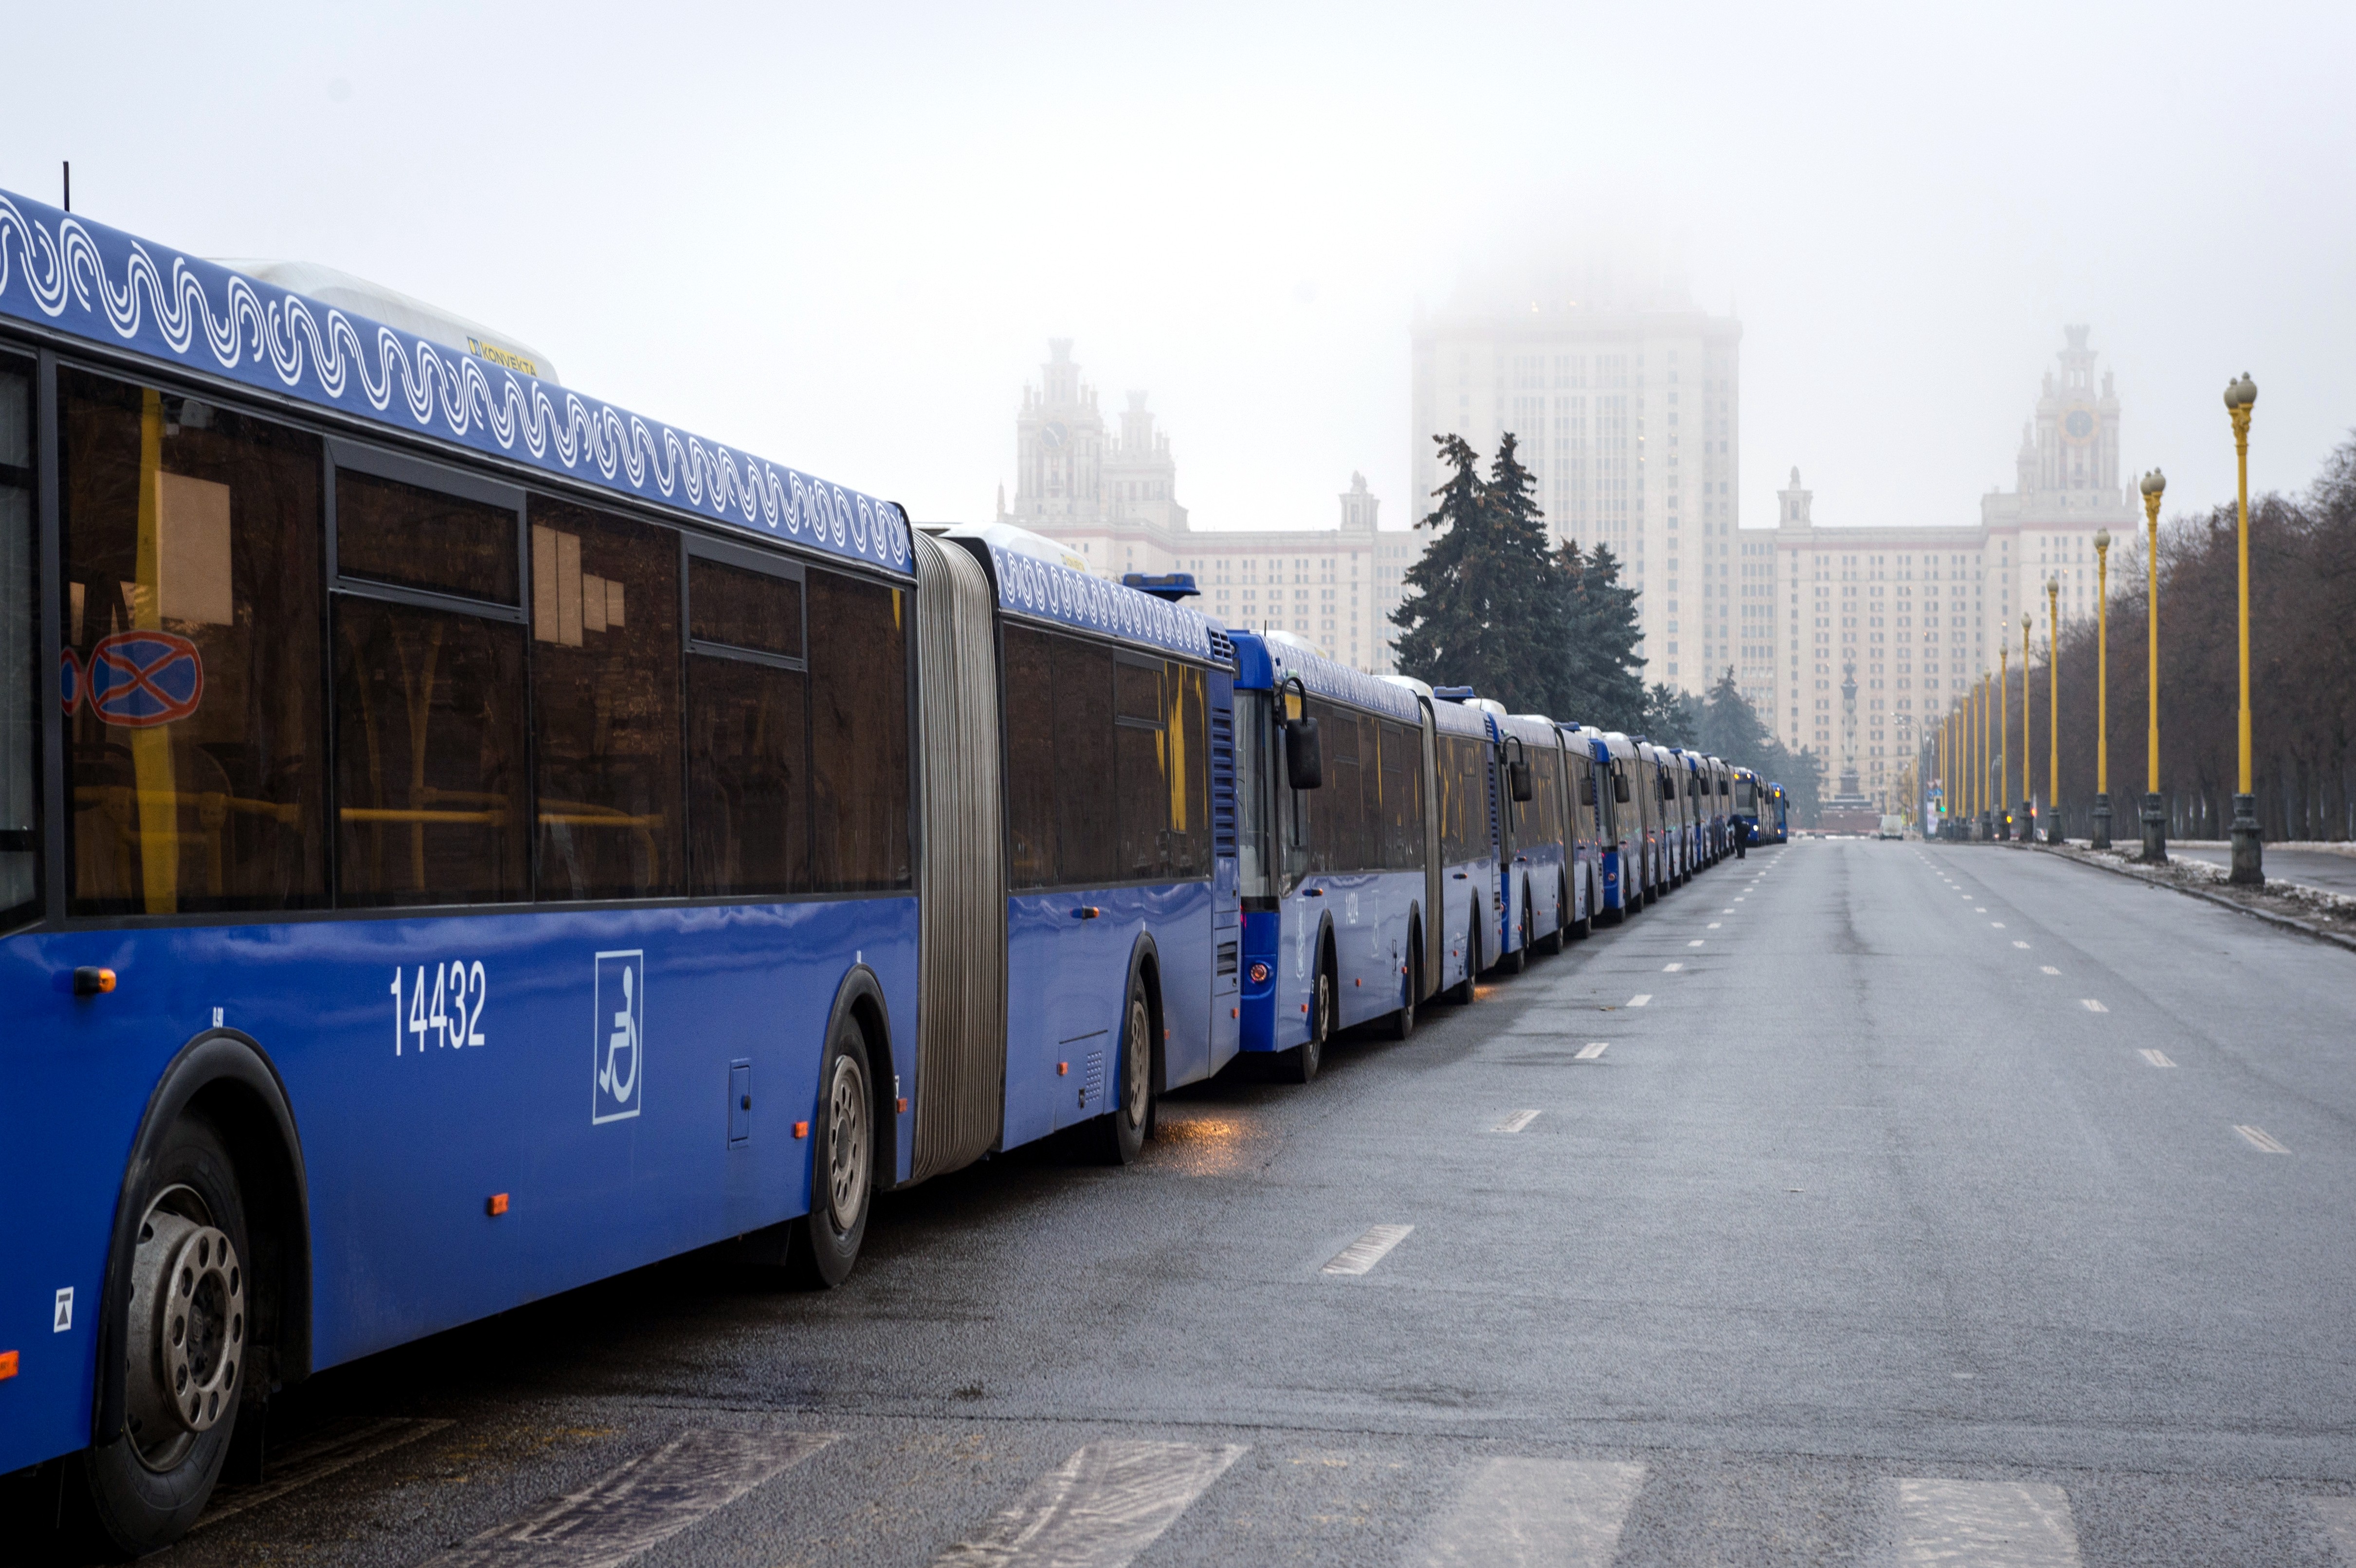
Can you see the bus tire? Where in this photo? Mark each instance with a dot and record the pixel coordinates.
(1462, 992)
(1516, 961)
(1300, 1065)
(822, 1245)
(185, 1341)
(1412, 982)
(1124, 1130)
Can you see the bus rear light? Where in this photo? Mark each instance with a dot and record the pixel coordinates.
(497, 1206)
(903, 1105)
(91, 981)
(801, 1129)
(1259, 974)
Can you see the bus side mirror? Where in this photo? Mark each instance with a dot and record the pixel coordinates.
(1620, 788)
(1304, 758)
(1517, 778)
(1586, 791)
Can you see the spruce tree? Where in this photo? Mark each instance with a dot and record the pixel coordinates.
(1488, 611)
(1671, 718)
(1603, 680)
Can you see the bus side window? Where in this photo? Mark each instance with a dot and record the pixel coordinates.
(430, 745)
(194, 736)
(20, 726)
(1189, 771)
(1028, 706)
(859, 733)
(605, 714)
(1085, 775)
(1141, 755)
(747, 730)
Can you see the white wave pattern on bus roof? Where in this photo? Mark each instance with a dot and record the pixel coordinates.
(1324, 677)
(1031, 586)
(106, 286)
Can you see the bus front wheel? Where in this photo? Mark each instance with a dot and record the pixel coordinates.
(824, 1244)
(1300, 1065)
(1131, 1120)
(184, 1348)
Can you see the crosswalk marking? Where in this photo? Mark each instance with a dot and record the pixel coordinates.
(338, 1449)
(637, 1505)
(1368, 1250)
(1098, 1510)
(1537, 1513)
(1591, 1051)
(1985, 1524)
(2261, 1140)
(2339, 1517)
(1516, 1122)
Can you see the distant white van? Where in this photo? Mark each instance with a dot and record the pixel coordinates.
(1892, 827)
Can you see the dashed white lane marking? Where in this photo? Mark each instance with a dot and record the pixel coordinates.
(1592, 1051)
(1985, 1524)
(1726, 912)
(1696, 941)
(1714, 924)
(1536, 1513)
(336, 1449)
(1099, 1509)
(1977, 911)
(2091, 1006)
(1367, 1250)
(2049, 969)
(1997, 924)
(2019, 943)
(1518, 1120)
(2157, 1058)
(2261, 1140)
(1640, 998)
(631, 1509)
(2339, 1519)
(1670, 968)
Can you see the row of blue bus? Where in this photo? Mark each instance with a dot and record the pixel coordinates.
(460, 840)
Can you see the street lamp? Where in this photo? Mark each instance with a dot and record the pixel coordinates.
(2102, 837)
(2054, 707)
(2249, 865)
(2003, 742)
(2155, 821)
(2028, 795)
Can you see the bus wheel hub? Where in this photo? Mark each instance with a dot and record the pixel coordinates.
(191, 1283)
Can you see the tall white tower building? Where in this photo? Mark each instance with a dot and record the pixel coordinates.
(1627, 410)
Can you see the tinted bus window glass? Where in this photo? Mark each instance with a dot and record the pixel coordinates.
(413, 538)
(859, 734)
(1402, 796)
(605, 705)
(1086, 774)
(748, 779)
(429, 756)
(20, 730)
(1253, 865)
(741, 607)
(1030, 771)
(1190, 773)
(1136, 691)
(1464, 816)
(191, 539)
(1141, 752)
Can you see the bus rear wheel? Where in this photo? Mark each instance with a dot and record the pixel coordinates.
(1300, 1065)
(184, 1348)
(1462, 992)
(823, 1245)
(1411, 987)
(1131, 1120)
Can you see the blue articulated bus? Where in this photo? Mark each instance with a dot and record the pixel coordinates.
(1620, 822)
(1563, 805)
(464, 839)
(1781, 804)
(1536, 844)
(1335, 815)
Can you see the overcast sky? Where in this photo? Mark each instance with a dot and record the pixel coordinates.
(841, 235)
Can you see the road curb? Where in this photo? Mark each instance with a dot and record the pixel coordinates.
(2284, 921)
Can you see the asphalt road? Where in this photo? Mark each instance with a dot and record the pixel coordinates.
(1924, 1204)
(2313, 867)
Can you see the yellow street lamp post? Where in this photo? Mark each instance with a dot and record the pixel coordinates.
(2249, 866)
(1980, 696)
(2101, 834)
(2155, 821)
(2053, 710)
(2003, 742)
(2028, 793)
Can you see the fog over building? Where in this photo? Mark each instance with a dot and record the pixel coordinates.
(1627, 403)
(1113, 498)
(1913, 614)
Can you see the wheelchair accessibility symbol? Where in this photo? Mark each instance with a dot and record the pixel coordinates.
(617, 1037)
